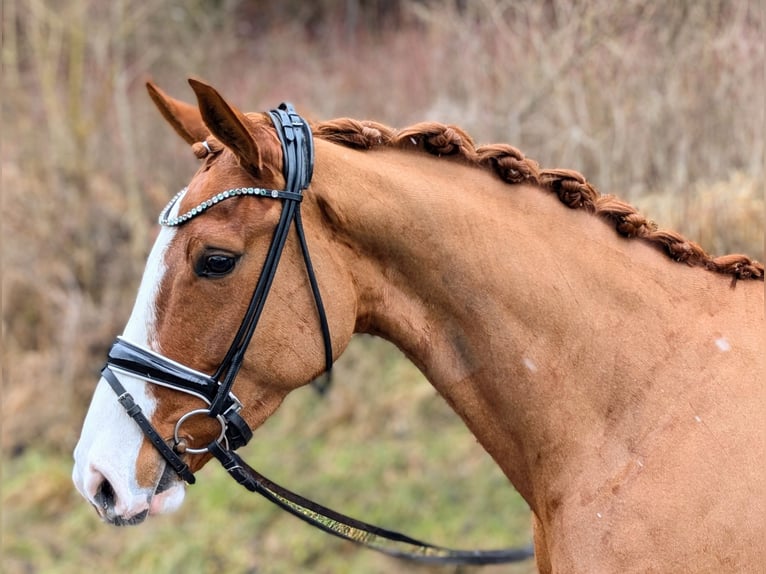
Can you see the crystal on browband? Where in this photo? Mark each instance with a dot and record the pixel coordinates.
(168, 221)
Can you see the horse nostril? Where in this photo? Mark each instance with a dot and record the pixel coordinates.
(105, 497)
(110, 507)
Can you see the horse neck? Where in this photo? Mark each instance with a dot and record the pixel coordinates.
(526, 316)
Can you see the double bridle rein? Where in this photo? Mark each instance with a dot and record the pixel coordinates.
(216, 389)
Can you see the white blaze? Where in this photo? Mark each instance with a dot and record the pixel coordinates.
(110, 441)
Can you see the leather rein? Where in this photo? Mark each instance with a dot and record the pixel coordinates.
(216, 390)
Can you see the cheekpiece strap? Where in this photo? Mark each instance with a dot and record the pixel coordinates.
(297, 166)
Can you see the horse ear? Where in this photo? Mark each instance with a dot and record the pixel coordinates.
(229, 125)
(185, 118)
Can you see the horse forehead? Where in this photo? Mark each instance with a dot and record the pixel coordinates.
(216, 174)
(224, 167)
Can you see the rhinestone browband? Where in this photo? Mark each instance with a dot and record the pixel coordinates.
(167, 221)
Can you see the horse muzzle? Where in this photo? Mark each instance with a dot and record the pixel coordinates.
(120, 504)
(106, 476)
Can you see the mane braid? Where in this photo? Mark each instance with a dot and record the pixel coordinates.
(511, 166)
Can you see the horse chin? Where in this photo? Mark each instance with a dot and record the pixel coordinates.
(168, 495)
(168, 500)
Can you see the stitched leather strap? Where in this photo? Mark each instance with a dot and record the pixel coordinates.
(374, 537)
(134, 411)
(298, 166)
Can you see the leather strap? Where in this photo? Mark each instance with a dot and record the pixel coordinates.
(135, 412)
(298, 166)
(374, 537)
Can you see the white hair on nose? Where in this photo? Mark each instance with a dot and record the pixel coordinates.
(110, 442)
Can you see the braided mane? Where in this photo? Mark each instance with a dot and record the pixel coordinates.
(511, 166)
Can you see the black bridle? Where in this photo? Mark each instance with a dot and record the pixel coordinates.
(216, 389)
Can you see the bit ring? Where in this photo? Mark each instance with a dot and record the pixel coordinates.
(187, 416)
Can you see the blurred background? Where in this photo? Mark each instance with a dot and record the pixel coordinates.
(661, 103)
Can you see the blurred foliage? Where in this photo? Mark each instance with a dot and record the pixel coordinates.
(660, 103)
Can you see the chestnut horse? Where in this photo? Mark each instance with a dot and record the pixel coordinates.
(614, 371)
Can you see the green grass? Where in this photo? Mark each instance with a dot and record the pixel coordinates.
(384, 448)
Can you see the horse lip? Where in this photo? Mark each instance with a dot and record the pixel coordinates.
(167, 480)
(120, 521)
(109, 516)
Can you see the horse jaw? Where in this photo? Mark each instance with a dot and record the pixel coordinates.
(124, 482)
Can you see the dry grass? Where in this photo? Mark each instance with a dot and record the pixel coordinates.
(662, 104)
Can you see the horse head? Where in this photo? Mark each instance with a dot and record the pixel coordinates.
(193, 304)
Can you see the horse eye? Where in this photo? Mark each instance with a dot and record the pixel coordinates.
(216, 265)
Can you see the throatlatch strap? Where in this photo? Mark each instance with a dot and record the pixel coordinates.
(373, 537)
